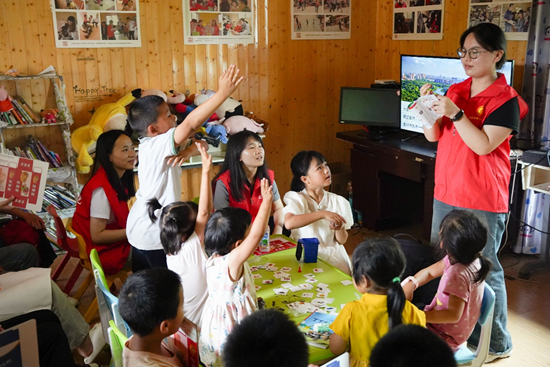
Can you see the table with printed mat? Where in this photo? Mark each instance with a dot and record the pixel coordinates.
(339, 285)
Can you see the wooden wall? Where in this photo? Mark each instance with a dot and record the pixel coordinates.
(294, 85)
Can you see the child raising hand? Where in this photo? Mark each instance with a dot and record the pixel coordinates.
(229, 241)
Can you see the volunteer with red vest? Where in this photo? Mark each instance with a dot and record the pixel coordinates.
(238, 183)
(472, 168)
(102, 207)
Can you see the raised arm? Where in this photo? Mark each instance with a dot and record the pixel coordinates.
(205, 198)
(228, 82)
(238, 256)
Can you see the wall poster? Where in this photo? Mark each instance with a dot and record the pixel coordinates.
(320, 19)
(513, 17)
(96, 23)
(418, 19)
(216, 22)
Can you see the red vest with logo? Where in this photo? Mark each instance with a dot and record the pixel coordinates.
(113, 256)
(252, 200)
(462, 177)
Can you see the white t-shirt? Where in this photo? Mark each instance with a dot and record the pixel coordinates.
(190, 264)
(329, 250)
(156, 180)
(100, 206)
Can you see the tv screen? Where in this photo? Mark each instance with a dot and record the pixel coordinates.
(441, 72)
(374, 107)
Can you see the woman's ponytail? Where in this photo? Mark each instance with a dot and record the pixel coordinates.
(152, 206)
(395, 303)
(486, 266)
(297, 184)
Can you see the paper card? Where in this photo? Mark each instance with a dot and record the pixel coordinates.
(329, 300)
(309, 275)
(281, 275)
(312, 308)
(270, 264)
(294, 288)
(268, 281)
(256, 276)
(286, 279)
(257, 287)
(330, 309)
(319, 302)
(280, 291)
(286, 269)
(306, 286)
(287, 285)
(262, 267)
(322, 285)
(346, 282)
(253, 268)
(311, 280)
(322, 295)
(323, 290)
(271, 268)
(318, 270)
(307, 295)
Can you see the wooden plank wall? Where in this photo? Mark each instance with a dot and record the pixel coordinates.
(294, 85)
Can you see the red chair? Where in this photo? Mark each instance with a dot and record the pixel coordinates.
(72, 247)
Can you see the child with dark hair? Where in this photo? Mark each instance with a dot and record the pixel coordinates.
(159, 153)
(377, 265)
(313, 212)
(267, 338)
(411, 346)
(182, 236)
(151, 303)
(456, 306)
(229, 241)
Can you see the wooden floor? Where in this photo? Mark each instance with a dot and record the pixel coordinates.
(528, 304)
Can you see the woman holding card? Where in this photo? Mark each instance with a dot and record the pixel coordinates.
(472, 169)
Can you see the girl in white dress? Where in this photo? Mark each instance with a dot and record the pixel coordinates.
(229, 241)
(182, 236)
(311, 211)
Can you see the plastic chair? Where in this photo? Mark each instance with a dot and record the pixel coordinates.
(107, 302)
(72, 247)
(465, 357)
(116, 340)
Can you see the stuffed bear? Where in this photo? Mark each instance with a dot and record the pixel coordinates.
(110, 116)
(49, 116)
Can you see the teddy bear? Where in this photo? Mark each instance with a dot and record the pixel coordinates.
(110, 116)
(49, 116)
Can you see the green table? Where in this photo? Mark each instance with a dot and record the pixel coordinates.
(342, 294)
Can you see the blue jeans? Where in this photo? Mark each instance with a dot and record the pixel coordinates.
(501, 341)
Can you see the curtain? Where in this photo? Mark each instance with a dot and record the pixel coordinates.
(535, 127)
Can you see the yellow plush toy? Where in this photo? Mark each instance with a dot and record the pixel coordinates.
(110, 116)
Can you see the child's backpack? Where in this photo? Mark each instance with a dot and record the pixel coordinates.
(419, 256)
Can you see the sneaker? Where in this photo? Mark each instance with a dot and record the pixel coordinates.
(493, 357)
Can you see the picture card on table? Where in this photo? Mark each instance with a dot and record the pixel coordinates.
(307, 295)
(346, 282)
(268, 281)
(280, 291)
(318, 270)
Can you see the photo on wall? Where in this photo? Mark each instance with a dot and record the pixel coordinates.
(513, 18)
(418, 19)
(320, 19)
(96, 23)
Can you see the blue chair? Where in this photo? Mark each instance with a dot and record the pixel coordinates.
(464, 356)
(117, 339)
(107, 302)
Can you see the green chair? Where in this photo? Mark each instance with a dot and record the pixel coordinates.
(116, 340)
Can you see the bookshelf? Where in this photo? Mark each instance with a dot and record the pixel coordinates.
(39, 93)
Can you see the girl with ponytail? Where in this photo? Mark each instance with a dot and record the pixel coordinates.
(456, 306)
(313, 212)
(377, 266)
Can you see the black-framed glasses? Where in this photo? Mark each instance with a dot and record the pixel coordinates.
(473, 52)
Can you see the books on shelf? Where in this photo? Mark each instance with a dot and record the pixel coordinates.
(21, 113)
(316, 329)
(35, 150)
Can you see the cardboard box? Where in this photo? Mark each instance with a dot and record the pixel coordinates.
(341, 175)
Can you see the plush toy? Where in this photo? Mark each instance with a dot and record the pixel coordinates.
(49, 116)
(110, 116)
(5, 100)
(236, 124)
(230, 107)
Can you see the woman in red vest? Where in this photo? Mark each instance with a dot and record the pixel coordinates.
(238, 183)
(102, 208)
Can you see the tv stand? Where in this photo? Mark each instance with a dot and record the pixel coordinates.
(393, 180)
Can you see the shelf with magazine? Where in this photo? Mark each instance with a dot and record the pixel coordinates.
(24, 132)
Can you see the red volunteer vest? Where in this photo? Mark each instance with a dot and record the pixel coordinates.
(462, 177)
(113, 256)
(252, 201)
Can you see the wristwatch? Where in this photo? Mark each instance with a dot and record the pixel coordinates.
(458, 116)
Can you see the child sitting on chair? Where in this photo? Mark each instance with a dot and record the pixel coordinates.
(151, 303)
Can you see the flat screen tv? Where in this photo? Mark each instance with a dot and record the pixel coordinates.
(378, 108)
(441, 72)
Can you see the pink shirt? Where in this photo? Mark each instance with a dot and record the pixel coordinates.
(457, 280)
